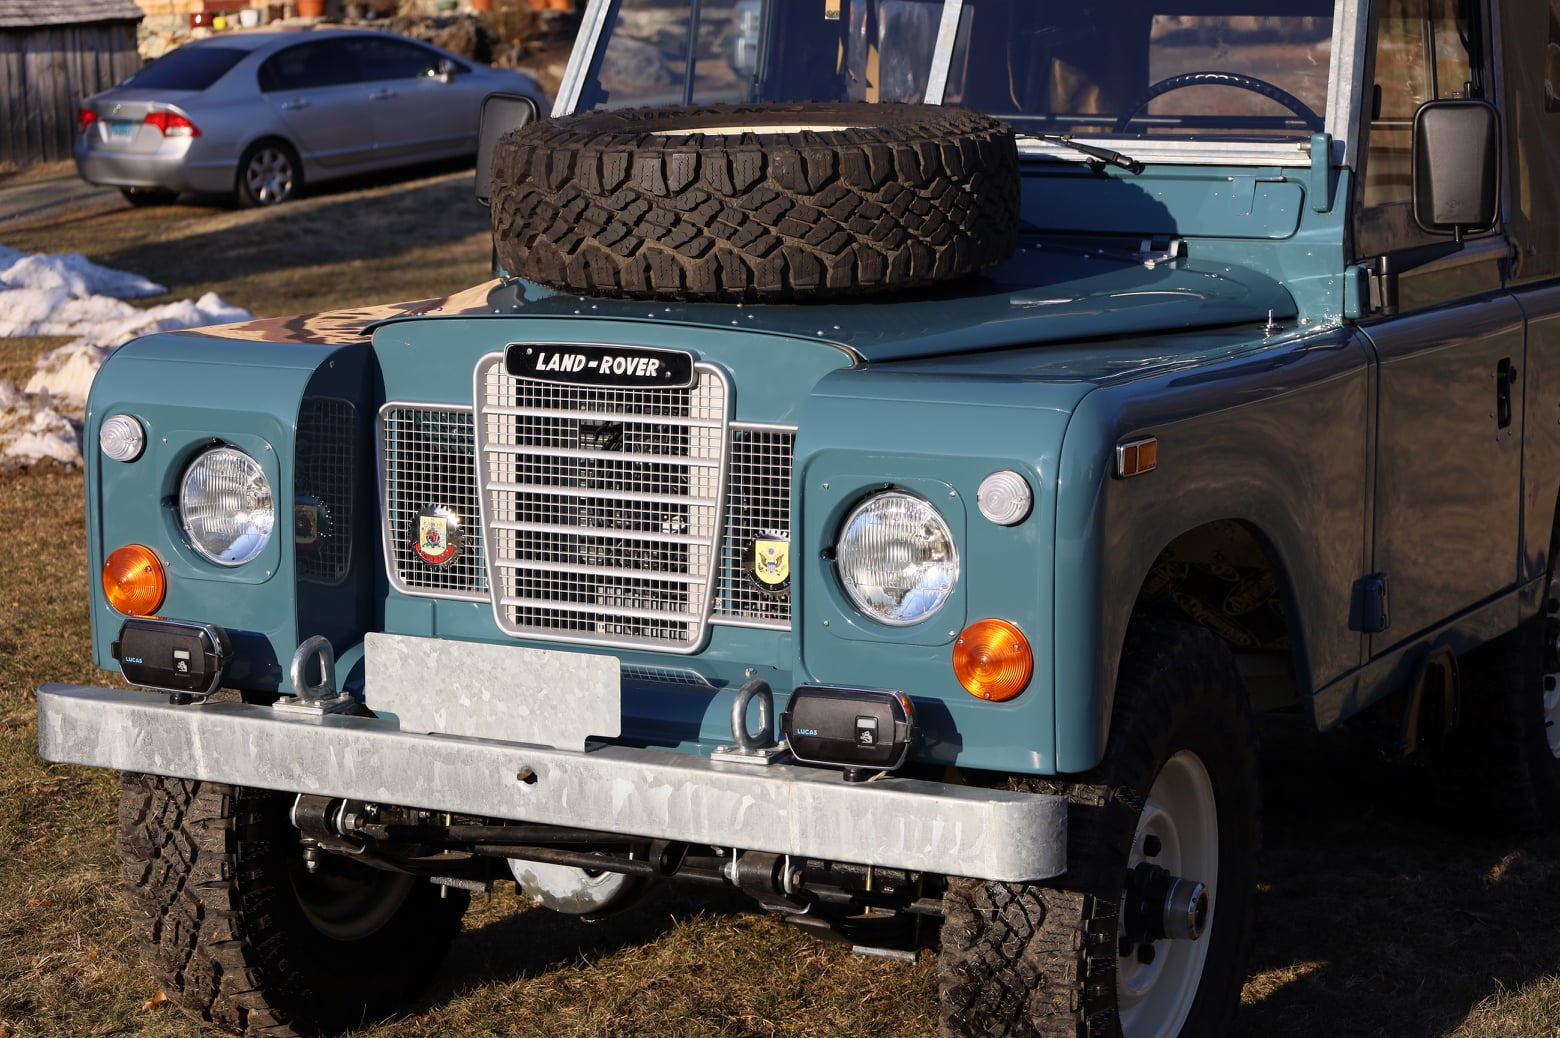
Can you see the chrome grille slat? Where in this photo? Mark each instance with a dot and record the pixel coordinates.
(580, 487)
(605, 572)
(630, 535)
(620, 495)
(557, 452)
(586, 415)
(632, 612)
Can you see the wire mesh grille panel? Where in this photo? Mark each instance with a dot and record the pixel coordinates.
(759, 496)
(323, 489)
(429, 457)
(603, 506)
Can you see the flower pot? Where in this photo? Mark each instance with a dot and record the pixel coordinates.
(311, 8)
(481, 5)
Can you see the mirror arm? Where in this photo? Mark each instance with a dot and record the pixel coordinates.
(1384, 269)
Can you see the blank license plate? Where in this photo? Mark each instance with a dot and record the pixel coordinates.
(547, 697)
(118, 130)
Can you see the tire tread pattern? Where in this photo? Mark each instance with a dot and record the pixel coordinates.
(1038, 960)
(647, 203)
(220, 929)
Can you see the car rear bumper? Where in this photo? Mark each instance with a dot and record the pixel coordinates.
(170, 171)
(893, 822)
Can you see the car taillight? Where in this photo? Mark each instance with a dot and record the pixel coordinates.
(172, 124)
(85, 118)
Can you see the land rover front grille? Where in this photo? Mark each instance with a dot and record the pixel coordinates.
(429, 460)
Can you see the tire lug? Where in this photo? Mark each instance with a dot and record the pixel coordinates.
(1152, 846)
(1145, 953)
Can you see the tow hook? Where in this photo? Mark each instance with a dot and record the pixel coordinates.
(1157, 904)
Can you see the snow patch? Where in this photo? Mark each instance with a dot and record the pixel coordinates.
(69, 295)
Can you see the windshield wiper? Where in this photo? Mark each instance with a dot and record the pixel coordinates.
(1101, 157)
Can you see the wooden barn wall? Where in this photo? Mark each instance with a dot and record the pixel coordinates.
(44, 72)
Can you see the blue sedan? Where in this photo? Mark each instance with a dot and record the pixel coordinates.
(260, 114)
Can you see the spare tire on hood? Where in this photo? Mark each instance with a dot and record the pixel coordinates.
(755, 202)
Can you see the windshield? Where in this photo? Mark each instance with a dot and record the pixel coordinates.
(1187, 69)
(188, 68)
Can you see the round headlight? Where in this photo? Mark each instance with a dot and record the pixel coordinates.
(896, 558)
(225, 506)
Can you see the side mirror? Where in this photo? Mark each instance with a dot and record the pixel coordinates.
(445, 72)
(500, 114)
(1456, 167)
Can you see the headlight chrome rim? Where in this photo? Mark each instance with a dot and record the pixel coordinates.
(897, 559)
(226, 507)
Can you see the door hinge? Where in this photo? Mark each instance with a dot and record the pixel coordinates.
(1368, 605)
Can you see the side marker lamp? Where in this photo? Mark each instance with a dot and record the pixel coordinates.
(133, 580)
(992, 660)
(121, 438)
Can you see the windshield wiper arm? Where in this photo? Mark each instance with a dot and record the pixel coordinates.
(1102, 156)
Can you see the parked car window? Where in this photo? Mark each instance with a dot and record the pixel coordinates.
(384, 58)
(188, 68)
(311, 65)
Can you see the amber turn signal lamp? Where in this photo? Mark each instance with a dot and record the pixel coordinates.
(133, 580)
(993, 660)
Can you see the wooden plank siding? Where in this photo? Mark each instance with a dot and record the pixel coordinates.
(44, 72)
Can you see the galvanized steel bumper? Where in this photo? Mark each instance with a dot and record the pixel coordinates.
(893, 822)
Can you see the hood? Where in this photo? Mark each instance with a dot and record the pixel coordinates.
(1044, 294)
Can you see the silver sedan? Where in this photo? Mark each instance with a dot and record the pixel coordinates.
(259, 114)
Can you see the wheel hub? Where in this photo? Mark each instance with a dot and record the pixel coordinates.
(1168, 900)
(1159, 905)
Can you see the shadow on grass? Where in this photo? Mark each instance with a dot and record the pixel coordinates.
(532, 942)
(1384, 906)
(353, 221)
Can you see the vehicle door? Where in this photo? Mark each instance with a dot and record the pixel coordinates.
(1449, 450)
(313, 90)
(417, 114)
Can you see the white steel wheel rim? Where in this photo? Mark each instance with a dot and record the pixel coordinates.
(1154, 999)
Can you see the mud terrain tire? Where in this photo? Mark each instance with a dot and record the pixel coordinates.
(240, 936)
(755, 202)
(1051, 959)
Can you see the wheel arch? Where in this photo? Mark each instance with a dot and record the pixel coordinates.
(1226, 575)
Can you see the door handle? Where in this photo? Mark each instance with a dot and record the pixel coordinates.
(381, 95)
(296, 104)
(1505, 377)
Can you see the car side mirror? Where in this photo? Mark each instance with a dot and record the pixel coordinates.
(500, 114)
(1456, 167)
(445, 71)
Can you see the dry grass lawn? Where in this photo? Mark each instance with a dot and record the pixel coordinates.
(1380, 915)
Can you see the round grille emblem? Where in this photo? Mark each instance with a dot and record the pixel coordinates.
(439, 535)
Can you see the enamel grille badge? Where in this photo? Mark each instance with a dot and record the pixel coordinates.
(312, 524)
(769, 561)
(439, 535)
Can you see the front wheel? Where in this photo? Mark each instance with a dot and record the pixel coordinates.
(268, 174)
(241, 934)
(1146, 934)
